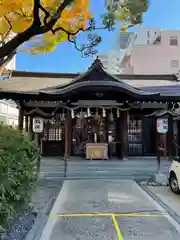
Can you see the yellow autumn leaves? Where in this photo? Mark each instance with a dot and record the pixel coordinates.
(16, 17)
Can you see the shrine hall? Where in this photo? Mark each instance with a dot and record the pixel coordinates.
(96, 115)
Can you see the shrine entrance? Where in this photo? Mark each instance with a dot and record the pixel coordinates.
(93, 125)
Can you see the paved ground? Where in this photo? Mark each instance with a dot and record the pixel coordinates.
(169, 199)
(108, 209)
(43, 198)
(77, 168)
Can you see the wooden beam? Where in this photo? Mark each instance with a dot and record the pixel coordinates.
(87, 103)
(20, 117)
(67, 134)
(26, 124)
(124, 135)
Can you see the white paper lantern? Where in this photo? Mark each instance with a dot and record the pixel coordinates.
(104, 112)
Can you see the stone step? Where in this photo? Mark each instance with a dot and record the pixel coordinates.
(139, 178)
(102, 174)
(102, 169)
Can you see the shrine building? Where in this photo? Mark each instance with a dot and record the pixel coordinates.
(95, 115)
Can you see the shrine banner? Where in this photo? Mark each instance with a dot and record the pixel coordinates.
(162, 125)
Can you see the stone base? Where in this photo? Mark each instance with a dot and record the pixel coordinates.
(160, 179)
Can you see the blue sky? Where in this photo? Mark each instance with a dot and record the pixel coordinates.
(162, 13)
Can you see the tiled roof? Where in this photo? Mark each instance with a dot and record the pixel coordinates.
(34, 82)
(165, 90)
(27, 81)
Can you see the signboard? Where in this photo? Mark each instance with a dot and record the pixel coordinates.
(37, 125)
(162, 125)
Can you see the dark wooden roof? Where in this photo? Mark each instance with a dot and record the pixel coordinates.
(97, 78)
(169, 77)
(170, 90)
(23, 85)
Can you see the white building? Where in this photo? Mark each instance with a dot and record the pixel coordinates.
(111, 62)
(115, 60)
(8, 109)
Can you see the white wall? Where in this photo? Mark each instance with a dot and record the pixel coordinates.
(8, 109)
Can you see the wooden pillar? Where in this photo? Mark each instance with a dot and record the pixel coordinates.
(178, 136)
(20, 118)
(70, 133)
(170, 136)
(124, 135)
(26, 124)
(67, 134)
(30, 127)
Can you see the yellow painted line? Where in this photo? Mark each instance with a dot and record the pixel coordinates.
(116, 225)
(139, 215)
(85, 215)
(109, 215)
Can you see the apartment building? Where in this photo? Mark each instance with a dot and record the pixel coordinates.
(159, 56)
(147, 51)
(8, 108)
(8, 113)
(113, 60)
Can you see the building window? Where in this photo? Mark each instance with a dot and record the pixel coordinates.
(174, 63)
(173, 41)
(5, 108)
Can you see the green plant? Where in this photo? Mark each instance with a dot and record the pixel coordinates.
(18, 172)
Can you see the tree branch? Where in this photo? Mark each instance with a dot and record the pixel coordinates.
(10, 27)
(66, 31)
(86, 49)
(37, 21)
(33, 30)
(55, 17)
(5, 61)
(47, 14)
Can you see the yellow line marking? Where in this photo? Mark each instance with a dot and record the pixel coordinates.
(139, 215)
(109, 215)
(116, 225)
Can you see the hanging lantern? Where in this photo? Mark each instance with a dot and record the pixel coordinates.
(118, 113)
(128, 117)
(111, 117)
(88, 112)
(72, 113)
(104, 112)
(53, 120)
(81, 114)
(96, 115)
(62, 117)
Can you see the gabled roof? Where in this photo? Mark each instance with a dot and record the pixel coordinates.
(97, 77)
(39, 112)
(33, 83)
(26, 82)
(162, 113)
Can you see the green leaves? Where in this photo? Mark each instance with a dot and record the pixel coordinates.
(128, 12)
(18, 171)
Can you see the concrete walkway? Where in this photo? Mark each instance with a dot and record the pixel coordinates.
(169, 200)
(110, 210)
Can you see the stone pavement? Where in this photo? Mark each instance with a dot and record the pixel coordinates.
(110, 210)
(78, 168)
